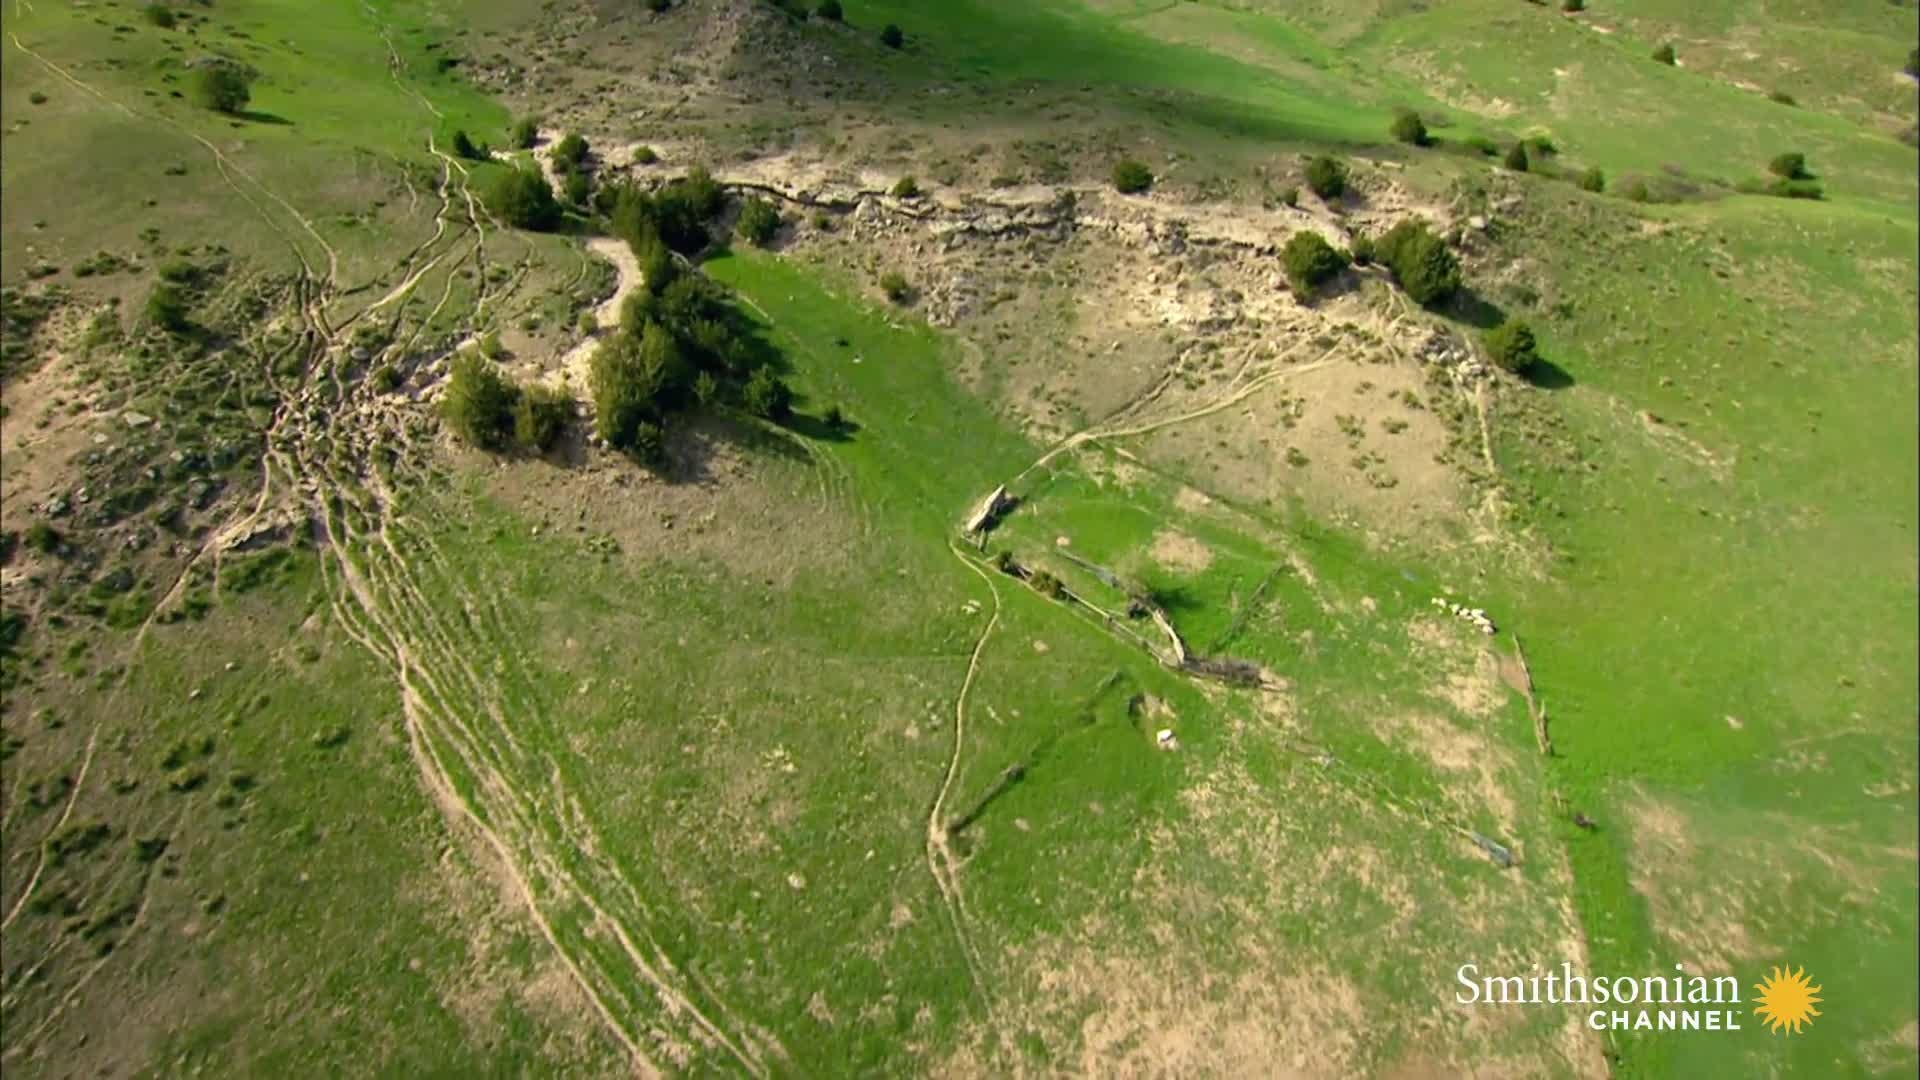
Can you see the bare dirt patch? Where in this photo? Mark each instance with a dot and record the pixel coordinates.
(1175, 550)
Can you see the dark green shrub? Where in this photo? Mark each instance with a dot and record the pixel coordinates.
(1131, 177)
(834, 418)
(1409, 128)
(1327, 177)
(1511, 345)
(633, 378)
(577, 187)
(37, 98)
(766, 396)
(906, 188)
(1362, 250)
(1665, 54)
(891, 37)
(658, 6)
(1573, 5)
(43, 538)
(706, 389)
(540, 415)
(649, 446)
(1593, 180)
(220, 85)
(1289, 196)
(167, 307)
(1421, 261)
(1781, 97)
(385, 379)
(526, 132)
(522, 199)
(1790, 167)
(463, 147)
(569, 152)
(758, 223)
(1487, 147)
(1796, 189)
(1516, 158)
(829, 10)
(1310, 261)
(896, 286)
(1913, 63)
(159, 15)
(646, 155)
(1047, 585)
(479, 402)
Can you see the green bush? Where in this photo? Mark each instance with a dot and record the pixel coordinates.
(569, 152)
(1913, 63)
(220, 85)
(526, 132)
(577, 187)
(830, 10)
(758, 223)
(159, 15)
(1795, 189)
(1327, 177)
(385, 379)
(1421, 261)
(1573, 5)
(1131, 177)
(43, 538)
(658, 6)
(649, 445)
(906, 188)
(1516, 158)
(522, 199)
(1047, 585)
(1310, 262)
(1665, 54)
(1790, 167)
(1487, 147)
(1512, 346)
(479, 402)
(1361, 250)
(1409, 128)
(896, 286)
(646, 155)
(634, 378)
(891, 37)
(167, 307)
(1593, 180)
(1289, 196)
(1781, 97)
(766, 396)
(540, 416)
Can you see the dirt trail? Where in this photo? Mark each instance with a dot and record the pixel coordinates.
(573, 369)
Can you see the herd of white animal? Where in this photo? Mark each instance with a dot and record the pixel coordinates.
(1476, 616)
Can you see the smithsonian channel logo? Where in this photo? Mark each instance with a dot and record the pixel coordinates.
(1784, 1001)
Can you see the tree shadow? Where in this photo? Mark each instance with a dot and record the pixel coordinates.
(1474, 309)
(254, 116)
(1547, 375)
(819, 429)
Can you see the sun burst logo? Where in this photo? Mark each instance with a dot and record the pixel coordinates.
(1787, 1000)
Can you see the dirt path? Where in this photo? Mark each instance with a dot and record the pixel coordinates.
(574, 365)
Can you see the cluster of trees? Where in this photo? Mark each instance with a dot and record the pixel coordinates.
(486, 409)
(521, 198)
(678, 215)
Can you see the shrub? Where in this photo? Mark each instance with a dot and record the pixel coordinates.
(526, 132)
(649, 445)
(1781, 97)
(706, 389)
(1047, 585)
(1409, 128)
(834, 418)
(1516, 158)
(829, 10)
(907, 188)
(1310, 262)
(658, 6)
(1420, 261)
(540, 415)
(1636, 190)
(167, 307)
(896, 286)
(766, 396)
(1512, 346)
(1289, 196)
(1790, 167)
(1487, 147)
(758, 223)
(37, 98)
(1327, 177)
(479, 402)
(577, 188)
(891, 37)
(463, 147)
(522, 199)
(1573, 5)
(1795, 189)
(43, 538)
(1362, 249)
(159, 15)
(1131, 177)
(385, 378)
(1913, 63)
(632, 378)
(221, 85)
(1665, 54)
(1593, 180)
(569, 152)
